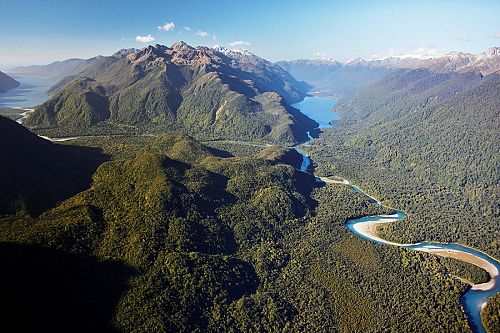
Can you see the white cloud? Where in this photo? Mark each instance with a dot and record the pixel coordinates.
(496, 35)
(144, 39)
(168, 26)
(374, 56)
(187, 28)
(238, 43)
(202, 33)
(322, 55)
(419, 52)
(411, 51)
(214, 37)
(463, 39)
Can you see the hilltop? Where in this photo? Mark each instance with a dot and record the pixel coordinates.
(201, 91)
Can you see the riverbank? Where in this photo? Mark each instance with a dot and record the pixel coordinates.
(475, 298)
(471, 259)
(23, 115)
(369, 230)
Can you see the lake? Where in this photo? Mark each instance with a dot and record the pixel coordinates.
(31, 92)
(318, 109)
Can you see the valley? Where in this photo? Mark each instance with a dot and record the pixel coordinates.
(169, 222)
(366, 227)
(475, 299)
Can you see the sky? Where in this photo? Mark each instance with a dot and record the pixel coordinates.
(42, 31)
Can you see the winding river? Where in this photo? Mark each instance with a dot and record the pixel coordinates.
(318, 108)
(474, 299)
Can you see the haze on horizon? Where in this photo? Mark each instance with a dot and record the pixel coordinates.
(35, 32)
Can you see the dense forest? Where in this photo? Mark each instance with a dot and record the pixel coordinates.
(173, 235)
(490, 315)
(428, 144)
(436, 159)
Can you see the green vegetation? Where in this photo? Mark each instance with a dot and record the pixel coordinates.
(199, 91)
(434, 158)
(236, 148)
(426, 143)
(172, 235)
(490, 315)
(470, 273)
(35, 175)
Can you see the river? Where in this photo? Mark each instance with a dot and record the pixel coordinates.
(474, 299)
(33, 92)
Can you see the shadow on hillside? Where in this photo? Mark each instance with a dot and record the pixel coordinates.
(35, 177)
(219, 152)
(46, 290)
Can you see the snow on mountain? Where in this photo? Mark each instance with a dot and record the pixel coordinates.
(230, 52)
(485, 63)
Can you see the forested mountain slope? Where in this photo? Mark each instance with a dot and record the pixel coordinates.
(203, 91)
(169, 236)
(36, 174)
(428, 143)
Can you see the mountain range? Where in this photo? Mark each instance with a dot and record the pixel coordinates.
(55, 71)
(7, 83)
(332, 77)
(155, 230)
(202, 91)
(487, 62)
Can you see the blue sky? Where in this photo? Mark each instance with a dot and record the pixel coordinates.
(38, 31)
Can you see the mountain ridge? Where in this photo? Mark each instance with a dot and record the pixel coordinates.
(198, 90)
(7, 83)
(341, 78)
(484, 63)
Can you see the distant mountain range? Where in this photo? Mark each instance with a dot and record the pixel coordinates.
(336, 78)
(56, 70)
(330, 77)
(487, 62)
(209, 91)
(7, 83)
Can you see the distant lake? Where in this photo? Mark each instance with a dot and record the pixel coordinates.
(318, 109)
(31, 92)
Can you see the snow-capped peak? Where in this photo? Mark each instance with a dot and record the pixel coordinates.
(228, 52)
(492, 51)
